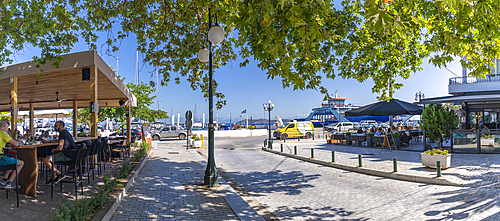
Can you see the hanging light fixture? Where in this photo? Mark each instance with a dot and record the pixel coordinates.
(203, 55)
(216, 34)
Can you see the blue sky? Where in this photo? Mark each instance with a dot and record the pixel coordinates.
(248, 88)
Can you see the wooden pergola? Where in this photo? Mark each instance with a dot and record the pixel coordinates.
(82, 80)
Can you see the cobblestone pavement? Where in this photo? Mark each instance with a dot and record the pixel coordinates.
(169, 188)
(297, 190)
(474, 170)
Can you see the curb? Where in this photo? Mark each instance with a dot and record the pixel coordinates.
(120, 197)
(391, 175)
(243, 210)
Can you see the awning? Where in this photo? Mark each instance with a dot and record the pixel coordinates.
(491, 97)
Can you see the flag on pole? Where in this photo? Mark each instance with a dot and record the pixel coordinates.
(243, 112)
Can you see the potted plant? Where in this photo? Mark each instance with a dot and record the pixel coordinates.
(397, 139)
(430, 157)
(348, 138)
(196, 141)
(369, 139)
(438, 121)
(487, 140)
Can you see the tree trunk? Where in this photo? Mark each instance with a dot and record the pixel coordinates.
(441, 141)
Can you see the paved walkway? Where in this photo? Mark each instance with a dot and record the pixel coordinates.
(474, 170)
(169, 187)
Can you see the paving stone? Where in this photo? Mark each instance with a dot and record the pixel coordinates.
(174, 180)
(295, 190)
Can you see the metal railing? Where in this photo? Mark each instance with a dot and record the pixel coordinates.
(475, 141)
(471, 80)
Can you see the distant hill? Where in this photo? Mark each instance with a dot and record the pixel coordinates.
(262, 121)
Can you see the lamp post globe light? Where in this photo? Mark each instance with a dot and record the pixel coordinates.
(269, 107)
(419, 96)
(215, 36)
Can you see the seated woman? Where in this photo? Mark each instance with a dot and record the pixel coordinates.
(45, 137)
(378, 132)
(27, 135)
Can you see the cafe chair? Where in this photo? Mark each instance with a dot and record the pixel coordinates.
(94, 157)
(103, 151)
(76, 156)
(11, 167)
(119, 149)
(86, 162)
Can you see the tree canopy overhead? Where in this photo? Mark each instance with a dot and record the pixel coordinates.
(301, 42)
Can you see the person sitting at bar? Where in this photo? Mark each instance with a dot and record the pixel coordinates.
(45, 137)
(66, 142)
(9, 176)
(473, 127)
(378, 132)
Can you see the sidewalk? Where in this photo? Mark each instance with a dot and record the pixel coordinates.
(170, 186)
(473, 170)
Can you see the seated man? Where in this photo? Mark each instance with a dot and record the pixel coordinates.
(66, 142)
(4, 160)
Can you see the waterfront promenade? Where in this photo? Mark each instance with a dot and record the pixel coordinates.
(474, 170)
(290, 189)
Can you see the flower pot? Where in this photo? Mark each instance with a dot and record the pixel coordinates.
(196, 143)
(430, 160)
(487, 142)
(397, 141)
(369, 141)
(348, 139)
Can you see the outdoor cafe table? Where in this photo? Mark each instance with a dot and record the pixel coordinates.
(29, 173)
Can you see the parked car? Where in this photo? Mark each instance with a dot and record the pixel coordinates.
(341, 127)
(134, 132)
(170, 132)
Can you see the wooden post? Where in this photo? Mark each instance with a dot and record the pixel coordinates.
(32, 117)
(129, 133)
(75, 118)
(94, 99)
(13, 101)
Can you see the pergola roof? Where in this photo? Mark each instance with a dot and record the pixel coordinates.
(41, 87)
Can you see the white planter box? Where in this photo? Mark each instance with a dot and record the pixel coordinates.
(487, 142)
(196, 144)
(430, 160)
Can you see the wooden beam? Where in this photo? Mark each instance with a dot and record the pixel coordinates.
(94, 99)
(13, 104)
(75, 118)
(32, 115)
(129, 133)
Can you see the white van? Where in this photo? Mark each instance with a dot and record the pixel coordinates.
(341, 127)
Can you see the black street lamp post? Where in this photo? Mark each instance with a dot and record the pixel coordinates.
(215, 36)
(269, 107)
